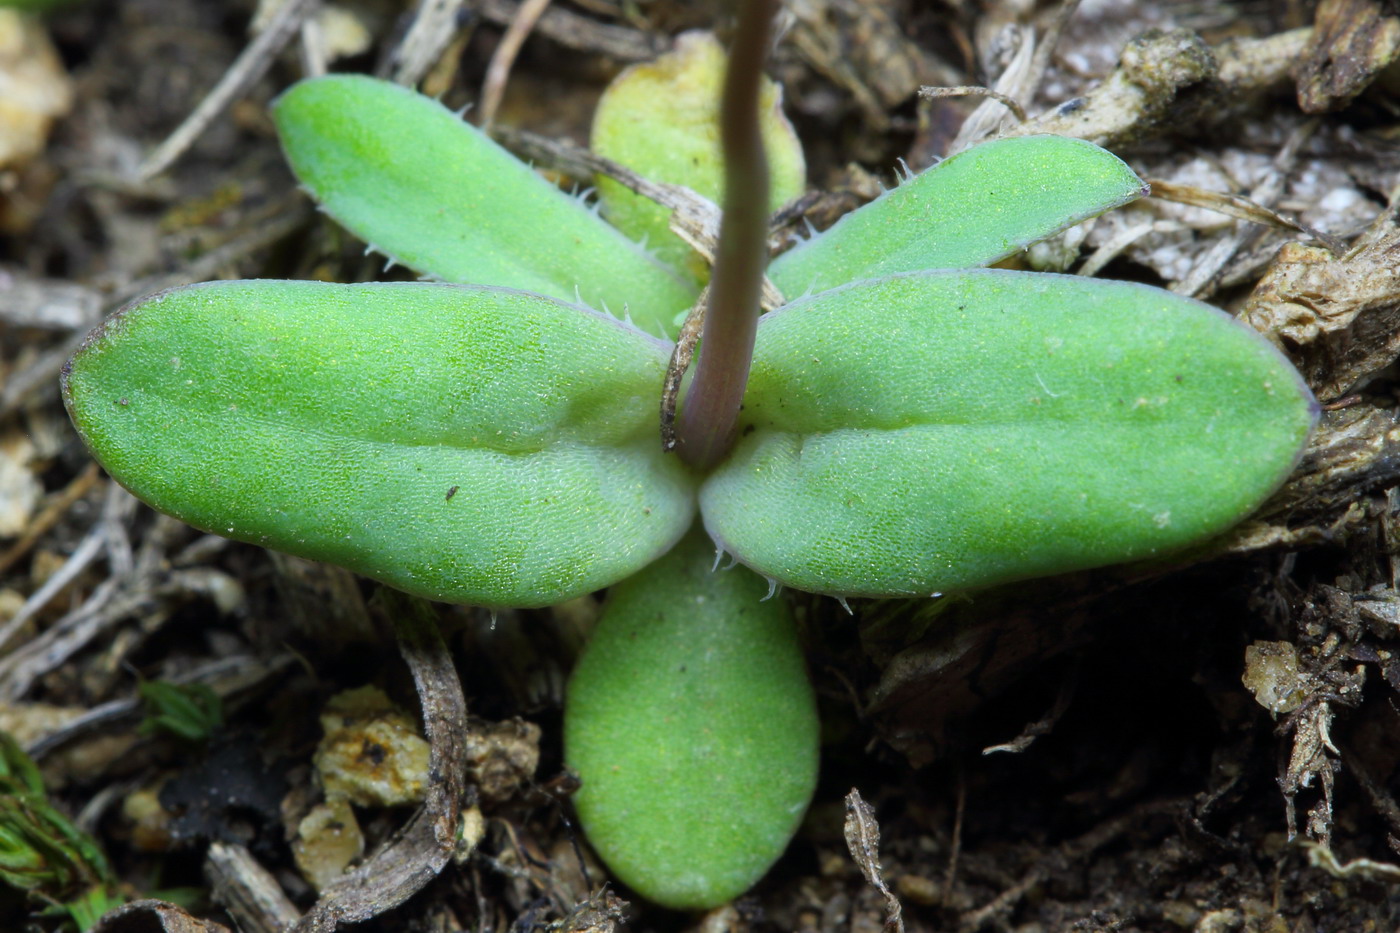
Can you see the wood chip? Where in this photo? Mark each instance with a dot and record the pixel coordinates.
(247, 890)
(1337, 317)
(1143, 95)
(1352, 42)
(36, 89)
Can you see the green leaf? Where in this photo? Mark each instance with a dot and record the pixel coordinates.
(474, 445)
(693, 726)
(18, 772)
(42, 851)
(32, 5)
(90, 906)
(427, 189)
(979, 206)
(187, 711)
(661, 119)
(945, 430)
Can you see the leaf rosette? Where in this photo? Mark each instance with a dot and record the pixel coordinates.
(912, 424)
(909, 428)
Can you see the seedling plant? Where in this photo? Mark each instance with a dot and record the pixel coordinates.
(908, 423)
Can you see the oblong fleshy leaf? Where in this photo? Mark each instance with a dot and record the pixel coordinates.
(969, 210)
(953, 429)
(467, 444)
(694, 728)
(424, 187)
(661, 119)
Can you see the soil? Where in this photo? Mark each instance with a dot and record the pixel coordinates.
(1208, 745)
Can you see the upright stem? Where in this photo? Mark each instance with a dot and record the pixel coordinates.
(705, 427)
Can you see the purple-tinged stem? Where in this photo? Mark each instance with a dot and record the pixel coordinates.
(705, 427)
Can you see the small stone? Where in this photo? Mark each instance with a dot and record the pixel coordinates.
(1271, 674)
(36, 88)
(328, 840)
(372, 754)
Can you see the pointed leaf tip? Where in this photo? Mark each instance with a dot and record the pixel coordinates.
(971, 209)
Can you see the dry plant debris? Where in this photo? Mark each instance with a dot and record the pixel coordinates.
(1352, 42)
(34, 89)
(863, 839)
(150, 916)
(1337, 315)
(1157, 794)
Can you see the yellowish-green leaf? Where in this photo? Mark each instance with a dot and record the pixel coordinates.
(661, 119)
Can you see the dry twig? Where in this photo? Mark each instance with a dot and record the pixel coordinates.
(246, 890)
(433, 29)
(226, 676)
(498, 70)
(287, 215)
(142, 587)
(418, 853)
(694, 218)
(580, 32)
(119, 506)
(41, 523)
(681, 355)
(1197, 282)
(1045, 724)
(152, 916)
(250, 65)
(972, 90)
